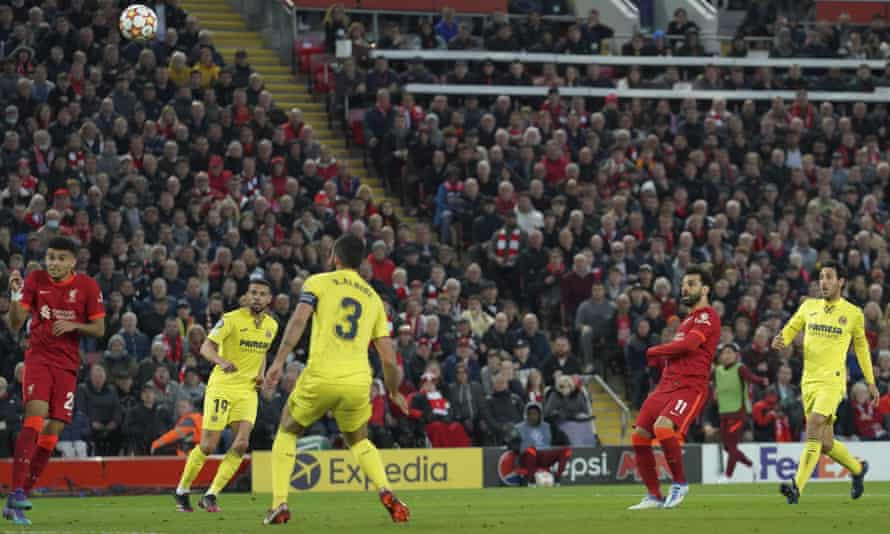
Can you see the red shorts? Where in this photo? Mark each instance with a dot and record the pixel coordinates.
(52, 385)
(681, 405)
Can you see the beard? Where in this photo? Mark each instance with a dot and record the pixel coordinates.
(691, 299)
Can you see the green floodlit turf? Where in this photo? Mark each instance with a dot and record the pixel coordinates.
(748, 509)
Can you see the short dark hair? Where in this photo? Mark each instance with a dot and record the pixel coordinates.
(703, 272)
(350, 250)
(62, 243)
(832, 264)
(260, 280)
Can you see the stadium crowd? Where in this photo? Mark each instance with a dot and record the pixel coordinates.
(560, 229)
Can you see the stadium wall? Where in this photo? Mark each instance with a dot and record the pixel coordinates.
(103, 475)
(777, 462)
(459, 468)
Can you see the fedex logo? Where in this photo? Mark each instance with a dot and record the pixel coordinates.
(775, 465)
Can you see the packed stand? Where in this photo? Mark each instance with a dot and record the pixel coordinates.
(579, 216)
(176, 174)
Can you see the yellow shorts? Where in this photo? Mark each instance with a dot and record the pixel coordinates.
(822, 399)
(313, 397)
(223, 407)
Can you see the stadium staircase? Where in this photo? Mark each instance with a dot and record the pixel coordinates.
(230, 33)
(608, 414)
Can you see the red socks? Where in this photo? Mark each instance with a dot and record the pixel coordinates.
(673, 452)
(645, 459)
(24, 450)
(46, 443)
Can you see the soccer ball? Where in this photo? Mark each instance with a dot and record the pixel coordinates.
(138, 23)
(544, 479)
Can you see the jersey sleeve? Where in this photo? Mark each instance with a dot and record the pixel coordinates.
(94, 305)
(703, 326)
(860, 346)
(381, 323)
(310, 292)
(221, 330)
(796, 323)
(29, 292)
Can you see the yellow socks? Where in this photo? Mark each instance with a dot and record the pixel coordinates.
(841, 454)
(808, 460)
(284, 454)
(367, 456)
(225, 472)
(192, 469)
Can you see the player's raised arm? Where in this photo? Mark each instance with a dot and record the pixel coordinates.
(677, 347)
(292, 334)
(20, 299)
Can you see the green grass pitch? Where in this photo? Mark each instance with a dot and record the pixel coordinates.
(748, 509)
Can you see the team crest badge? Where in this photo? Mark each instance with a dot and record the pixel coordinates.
(842, 320)
(72, 295)
(268, 334)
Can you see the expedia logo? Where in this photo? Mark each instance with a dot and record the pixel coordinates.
(307, 472)
(338, 471)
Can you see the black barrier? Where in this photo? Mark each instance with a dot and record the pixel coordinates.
(600, 465)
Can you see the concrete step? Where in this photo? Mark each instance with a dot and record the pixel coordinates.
(207, 15)
(219, 26)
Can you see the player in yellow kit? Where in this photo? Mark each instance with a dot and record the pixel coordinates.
(347, 315)
(238, 345)
(829, 323)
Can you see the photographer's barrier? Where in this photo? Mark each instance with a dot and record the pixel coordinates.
(405, 469)
(124, 474)
(588, 465)
(777, 462)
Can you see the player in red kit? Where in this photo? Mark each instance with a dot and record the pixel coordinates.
(681, 392)
(63, 306)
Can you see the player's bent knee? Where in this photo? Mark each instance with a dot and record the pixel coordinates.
(53, 427)
(239, 447)
(642, 434)
(356, 436)
(664, 422)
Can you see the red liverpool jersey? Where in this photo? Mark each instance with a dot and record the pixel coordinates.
(76, 299)
(694, 369)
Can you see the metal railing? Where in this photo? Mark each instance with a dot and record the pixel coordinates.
(625, 411)
(880, 96)
(625, 61)
(274, 20)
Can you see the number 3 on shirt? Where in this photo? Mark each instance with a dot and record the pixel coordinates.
(350, 328)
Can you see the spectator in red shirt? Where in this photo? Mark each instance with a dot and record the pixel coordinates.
(868, 420)
(575, 287)
(219, 176)
(555, 161)
(382, 266)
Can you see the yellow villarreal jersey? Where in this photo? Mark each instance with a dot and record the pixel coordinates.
(829, 328)
(348, 316)
(243, 343)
